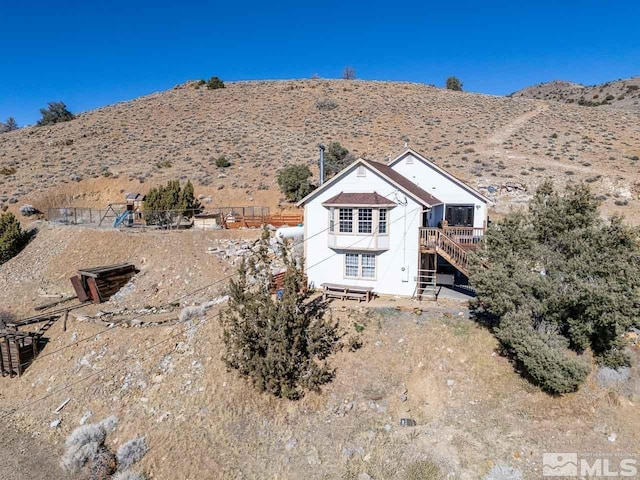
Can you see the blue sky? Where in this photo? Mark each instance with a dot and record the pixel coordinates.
(88, 54)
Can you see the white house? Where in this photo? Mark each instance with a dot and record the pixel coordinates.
(390, 227)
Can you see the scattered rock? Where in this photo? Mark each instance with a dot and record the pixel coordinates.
(56, 423)
(291, 443)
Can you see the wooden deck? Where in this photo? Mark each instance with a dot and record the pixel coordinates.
(452, 243)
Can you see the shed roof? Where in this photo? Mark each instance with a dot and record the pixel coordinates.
(360, 199)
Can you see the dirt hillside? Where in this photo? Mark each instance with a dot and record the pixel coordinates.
(504, 146)
(621, 94)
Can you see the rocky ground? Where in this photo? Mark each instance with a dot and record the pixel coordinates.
(503, 146)
(620, 94)
(140, 358)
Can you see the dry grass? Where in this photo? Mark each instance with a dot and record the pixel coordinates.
(261, 126)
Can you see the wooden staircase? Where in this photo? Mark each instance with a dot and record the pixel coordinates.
(452, 244)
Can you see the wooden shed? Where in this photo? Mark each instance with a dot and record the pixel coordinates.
(17, 351)
(98, 284)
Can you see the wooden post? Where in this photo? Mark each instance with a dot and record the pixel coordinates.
(64, 323)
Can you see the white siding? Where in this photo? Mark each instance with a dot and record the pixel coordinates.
(326, 265)
(441, 187)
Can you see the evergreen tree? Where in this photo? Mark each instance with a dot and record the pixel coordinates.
(165, 204)
(294, 181)
(9, 126)
(454, 83)
(337, 157)
(556, 281)
(56, 112)
(280, 345)
(12, 238)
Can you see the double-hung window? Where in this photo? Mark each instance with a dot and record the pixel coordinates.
(365, 220)
(332, 220)
(351, 265)
(368, 261)
(360, 265)
(382, 221)
(345, 220)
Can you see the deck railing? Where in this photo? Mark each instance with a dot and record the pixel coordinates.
(468, 237)
(452, 243)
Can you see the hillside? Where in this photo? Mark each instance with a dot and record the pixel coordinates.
(165, 379)
(508, 144)
(621, 94)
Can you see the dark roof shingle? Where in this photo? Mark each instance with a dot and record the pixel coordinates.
(406, 184)
(372, 198)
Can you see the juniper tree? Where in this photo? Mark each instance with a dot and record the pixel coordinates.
(55, 112)
(454, 83)
(9, 126)
(337, 158)
(294, 181)
(280, 345)
(558, 280)
(12, 237)
(163, 203)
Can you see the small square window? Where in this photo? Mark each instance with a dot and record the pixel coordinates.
(362, 172)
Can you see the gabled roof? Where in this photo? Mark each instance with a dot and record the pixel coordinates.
(394, 178)
(359, 199)
(405, 184)
(451, 177)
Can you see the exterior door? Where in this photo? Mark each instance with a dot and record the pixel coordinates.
(459, 215)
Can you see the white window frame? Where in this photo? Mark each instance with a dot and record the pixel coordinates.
(345, 222)
(360, 267)
(365, 221)
(349, 264)
(332, 220)
(385, 222)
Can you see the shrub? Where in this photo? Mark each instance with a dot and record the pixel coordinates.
(7, 170)
(349, 73)
(222, 162)
(326, 104)
(280, 345)
(9, 126)
(336, 158)
(6, 317)
(172, 197)
(128, 475)
(423, 470)
(215, 83)
(454, 83)
(90, 433)
(164, 164)
(56, 112)
(557, 280)
(294, 181)
(131, 452)
(12, 238)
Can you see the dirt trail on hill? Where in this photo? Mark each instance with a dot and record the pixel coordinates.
(495, 144)
(499, 137)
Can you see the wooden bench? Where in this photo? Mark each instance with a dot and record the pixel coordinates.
(346, 292)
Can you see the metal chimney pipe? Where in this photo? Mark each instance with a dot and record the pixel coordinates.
(321, 147)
